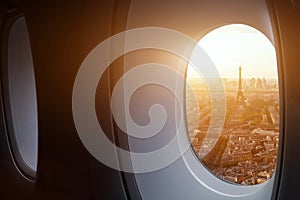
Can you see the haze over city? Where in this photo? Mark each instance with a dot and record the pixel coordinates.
(237, 45)
(245, 152)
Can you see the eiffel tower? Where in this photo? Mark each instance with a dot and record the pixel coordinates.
(240, 99)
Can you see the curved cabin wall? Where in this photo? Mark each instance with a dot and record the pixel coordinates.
(195, 19)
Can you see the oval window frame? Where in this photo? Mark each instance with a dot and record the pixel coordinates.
(23, 139)
(279, 102)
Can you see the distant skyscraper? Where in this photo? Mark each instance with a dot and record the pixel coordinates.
(252, 83)
(259, 83)
(265, 84)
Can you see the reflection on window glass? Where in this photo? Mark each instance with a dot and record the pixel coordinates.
(21, 99)
(246, 151)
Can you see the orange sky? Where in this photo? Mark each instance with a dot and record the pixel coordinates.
(234, 45)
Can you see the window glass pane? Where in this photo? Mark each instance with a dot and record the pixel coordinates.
(246, 150)
(22, 105)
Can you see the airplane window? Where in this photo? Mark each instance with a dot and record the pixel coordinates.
(246, 145)
(21, 104)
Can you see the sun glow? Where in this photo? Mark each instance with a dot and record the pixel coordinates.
(233, 45)
(242, 148)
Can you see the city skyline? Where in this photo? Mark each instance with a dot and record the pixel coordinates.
(246, 150)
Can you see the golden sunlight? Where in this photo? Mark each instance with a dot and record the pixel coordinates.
(245, 151)
(233, 45)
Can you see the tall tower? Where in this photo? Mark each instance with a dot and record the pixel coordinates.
(240, 96)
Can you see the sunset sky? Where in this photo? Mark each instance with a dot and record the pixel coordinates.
(234, 45)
